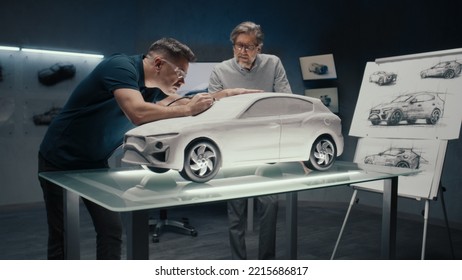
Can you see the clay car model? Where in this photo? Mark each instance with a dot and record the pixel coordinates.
(410, 108)
(397, 157)
(445, 69)
(319, 69)
(239, 130)
(56, 73)
(382, 77)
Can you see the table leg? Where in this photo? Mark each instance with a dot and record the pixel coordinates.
(291, 225)
(389, 216)
(71, 226)
(138, 235)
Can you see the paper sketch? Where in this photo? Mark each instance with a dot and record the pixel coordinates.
(410, 106)
(328, 96)
(318, 67)
(424, 155)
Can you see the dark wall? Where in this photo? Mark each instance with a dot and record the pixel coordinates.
(355, 32)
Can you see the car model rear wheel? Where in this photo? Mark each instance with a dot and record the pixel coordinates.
(322, 154)
(434, 117)
(202, 161)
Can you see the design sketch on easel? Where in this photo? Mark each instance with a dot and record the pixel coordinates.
(383, 78)
(417, 154)
(409, 108)
(445, 69)
(397, 157)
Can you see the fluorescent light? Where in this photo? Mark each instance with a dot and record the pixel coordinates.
(7, 48)
(62, 53)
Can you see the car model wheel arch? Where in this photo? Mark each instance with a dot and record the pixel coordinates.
(202, 160)
(323, 153)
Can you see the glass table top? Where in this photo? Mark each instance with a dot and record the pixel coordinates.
(134, 188)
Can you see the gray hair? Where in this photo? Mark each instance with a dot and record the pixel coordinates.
(172, 49)
(247, 27)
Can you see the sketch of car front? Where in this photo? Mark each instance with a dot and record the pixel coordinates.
(319, 69)
(239, 130)
(397, 157)
(410, 108)
(382, 77)
(445, 69)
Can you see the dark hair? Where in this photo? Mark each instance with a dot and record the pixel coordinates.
(247, 27)
(172, 49)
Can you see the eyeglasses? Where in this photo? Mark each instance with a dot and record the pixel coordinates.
(180, 73)
(240, 47)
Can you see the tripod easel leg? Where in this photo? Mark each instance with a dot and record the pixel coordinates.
(424, 240)
(442, 190)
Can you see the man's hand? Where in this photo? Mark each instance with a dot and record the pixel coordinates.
(199, 103)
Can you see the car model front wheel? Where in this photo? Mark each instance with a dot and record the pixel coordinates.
(322, 154)
(202, 161)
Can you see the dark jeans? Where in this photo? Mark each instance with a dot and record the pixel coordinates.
(108, 224)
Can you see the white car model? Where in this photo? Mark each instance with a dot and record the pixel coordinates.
(239, 130)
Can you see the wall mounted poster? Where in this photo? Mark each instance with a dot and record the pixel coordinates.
(416, 98)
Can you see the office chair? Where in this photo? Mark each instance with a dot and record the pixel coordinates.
(163, 223)
(157, 226)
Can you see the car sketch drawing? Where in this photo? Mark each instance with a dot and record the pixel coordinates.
(411, 107)
(396, 157)
(383, 78)
(319, 69)
(445, 69)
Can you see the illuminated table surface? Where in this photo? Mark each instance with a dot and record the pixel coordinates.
(135, 190)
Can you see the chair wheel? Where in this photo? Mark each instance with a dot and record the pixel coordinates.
(194, 233)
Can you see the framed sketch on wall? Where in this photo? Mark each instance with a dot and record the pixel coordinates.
(318, 67)
(328, 96)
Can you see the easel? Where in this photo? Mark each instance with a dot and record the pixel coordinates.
(425, 216)
(361, 130)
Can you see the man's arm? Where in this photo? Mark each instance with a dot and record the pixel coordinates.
(139, 111)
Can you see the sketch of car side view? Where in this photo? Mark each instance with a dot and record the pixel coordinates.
(410, 108)
(239, 130)
(397, 157)
(319, 69)
(382, 78)
(445, 69)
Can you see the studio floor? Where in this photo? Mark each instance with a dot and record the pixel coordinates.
(23, 235)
